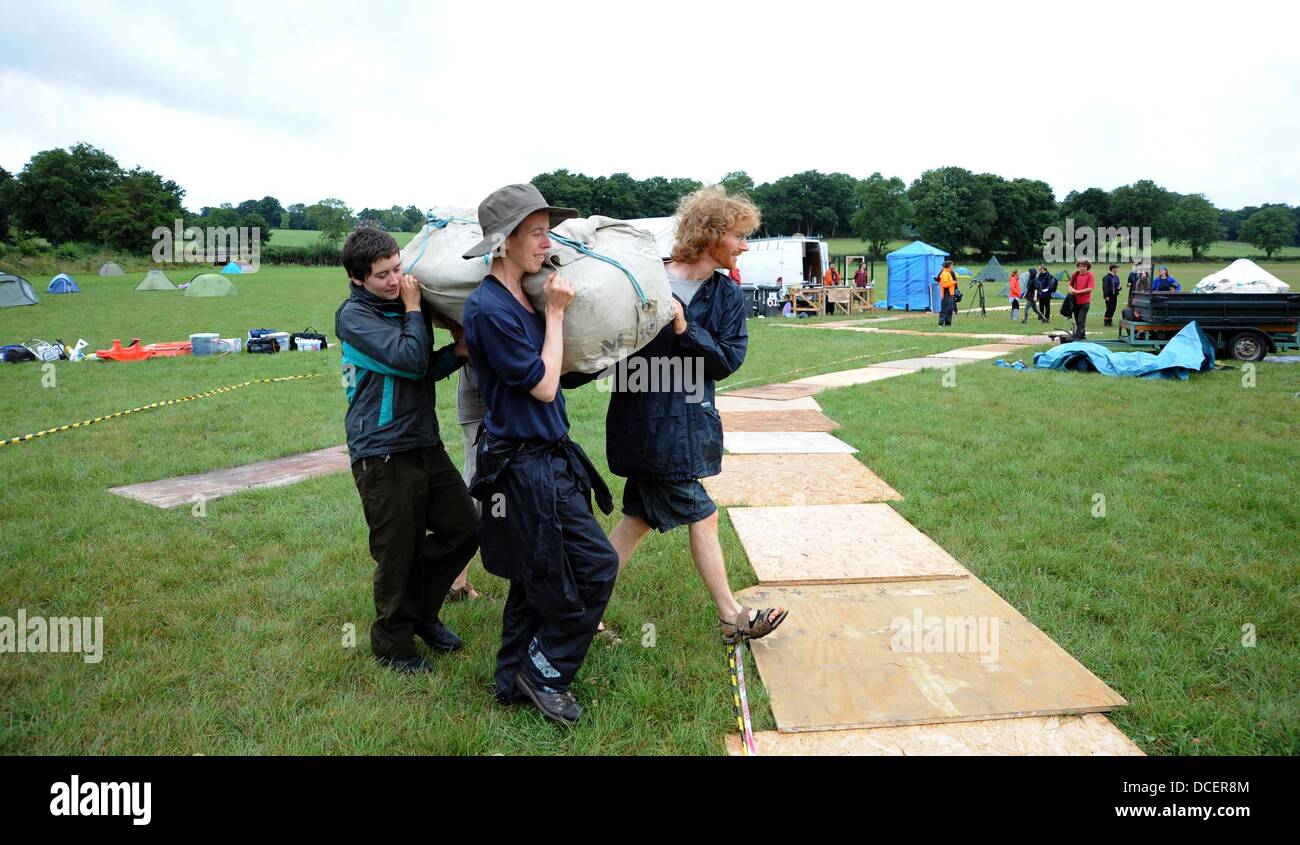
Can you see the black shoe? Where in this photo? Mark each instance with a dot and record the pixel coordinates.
(511, 697)
(406, 665)
(560, 707)
(439, 637)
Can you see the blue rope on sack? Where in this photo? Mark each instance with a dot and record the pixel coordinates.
(585, 250)
(438, 223)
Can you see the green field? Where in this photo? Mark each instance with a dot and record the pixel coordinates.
(223, 632)
(304, 237)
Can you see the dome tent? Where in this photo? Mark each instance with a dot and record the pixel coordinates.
(993, 272)
(232, 268)
(63, 283)
(15, 290)
(111, 269)
(155, 280)
(911, 276)
(211, 284)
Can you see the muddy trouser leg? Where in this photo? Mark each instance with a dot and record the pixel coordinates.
(453, 530)
(553, 655)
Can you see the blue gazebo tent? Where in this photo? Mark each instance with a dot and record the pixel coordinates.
(911, 277)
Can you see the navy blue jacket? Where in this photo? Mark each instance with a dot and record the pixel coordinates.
(658, 434)
(388, 373)
(1110, 285)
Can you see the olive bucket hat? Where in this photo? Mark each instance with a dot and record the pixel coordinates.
(503, 211)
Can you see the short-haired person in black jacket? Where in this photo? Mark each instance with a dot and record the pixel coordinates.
(423, 528)
(666, 438)
(1046, 287)
(1110, 292)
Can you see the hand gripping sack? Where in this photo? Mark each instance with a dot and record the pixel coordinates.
(434, 257)
(622, 297)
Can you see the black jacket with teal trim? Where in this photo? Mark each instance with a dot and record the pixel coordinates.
(389, 370)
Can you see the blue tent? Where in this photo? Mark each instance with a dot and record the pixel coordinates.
(911, 276)
(63, 283)
(231, 268)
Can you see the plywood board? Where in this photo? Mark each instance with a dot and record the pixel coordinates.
(182, 490)
(1029, 340)
(766, 480)
(914, 364)
(783, 443)
(970, 354)
(1087, 735)
(831, 664)
(848, 378)
(826, 544)
(777, 421)
(742, 403)
(777, 391)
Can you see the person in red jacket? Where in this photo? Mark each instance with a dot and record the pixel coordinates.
(1013, 290)
(1081, 286)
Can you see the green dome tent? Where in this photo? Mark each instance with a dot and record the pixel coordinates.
(15, 290)
(111, 269)
(211, 284)
(155, 280)
(993, 272)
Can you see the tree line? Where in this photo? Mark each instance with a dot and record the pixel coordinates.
(82, 195)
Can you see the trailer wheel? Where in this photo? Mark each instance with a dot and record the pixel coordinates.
(1248, 346)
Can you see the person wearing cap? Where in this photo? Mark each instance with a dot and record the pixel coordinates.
(1110, 293)
(1165, 283)
(423, 529)
(534, 483)
(664, 439)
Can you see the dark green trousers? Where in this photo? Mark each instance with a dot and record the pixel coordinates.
(423, 530)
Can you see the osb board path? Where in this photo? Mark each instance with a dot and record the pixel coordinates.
(171, 492)
(777, 421)
(724, 403)
(831, 666)
(1088, 735)
(776, 391)
(783, 442)
(849, 378)
(766, 480)
(828, 544)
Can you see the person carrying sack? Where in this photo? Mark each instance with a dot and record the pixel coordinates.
(535, 484)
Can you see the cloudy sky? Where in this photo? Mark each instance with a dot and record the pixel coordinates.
(432, 104)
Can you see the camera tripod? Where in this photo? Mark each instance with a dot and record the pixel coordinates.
(979, 292)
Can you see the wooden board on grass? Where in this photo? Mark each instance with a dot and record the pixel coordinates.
(783, 442)
(184, 489)
(1087, 735)
(828, 544)
(724, 403)
(777, 421)
(766, 480)
(849, 378)
(777, 391)
(842, 659)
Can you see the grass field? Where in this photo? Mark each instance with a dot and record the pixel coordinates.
(304, 237)
(224, 632)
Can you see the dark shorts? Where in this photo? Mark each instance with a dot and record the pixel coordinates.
(664, 505)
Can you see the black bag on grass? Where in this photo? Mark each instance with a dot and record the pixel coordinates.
(263, 345)
(1067, 307)
(307, 334)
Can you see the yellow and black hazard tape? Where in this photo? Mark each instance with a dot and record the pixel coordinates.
(23, 439)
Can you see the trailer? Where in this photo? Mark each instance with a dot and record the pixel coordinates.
(1244, 326)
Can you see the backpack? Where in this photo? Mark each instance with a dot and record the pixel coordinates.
(307, 334)
(263, 345)
(16, 354)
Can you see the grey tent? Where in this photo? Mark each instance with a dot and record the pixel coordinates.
(155, 280)
(111, 269)
(993, 272)
(15, 290)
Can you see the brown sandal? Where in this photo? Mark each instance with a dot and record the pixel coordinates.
(745, 628)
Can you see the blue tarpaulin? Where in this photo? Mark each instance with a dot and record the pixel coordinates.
(1189, 351)
(911, 276)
